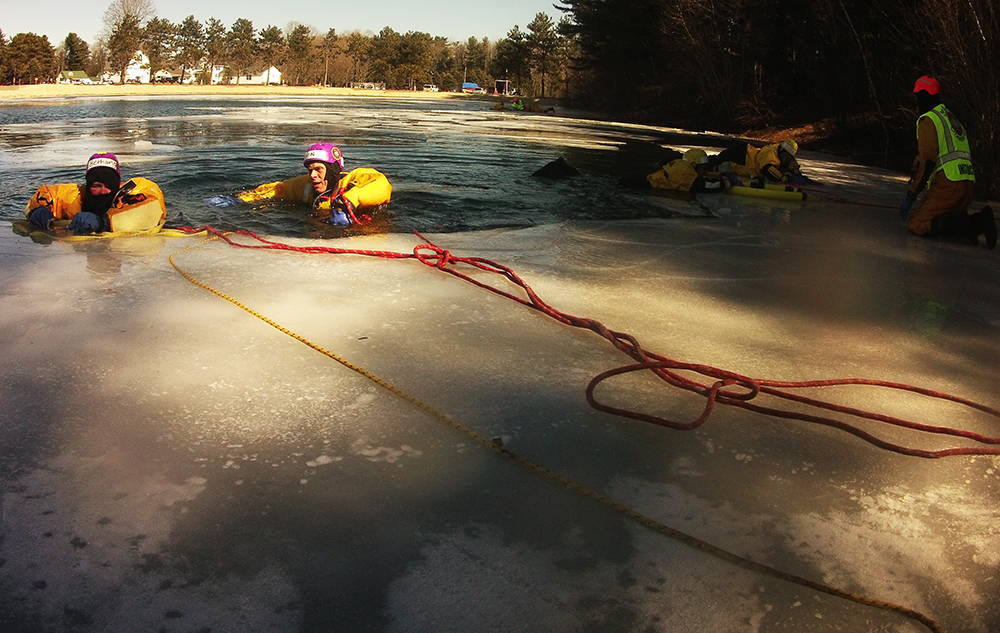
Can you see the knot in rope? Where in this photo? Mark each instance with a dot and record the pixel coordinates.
(437, 257)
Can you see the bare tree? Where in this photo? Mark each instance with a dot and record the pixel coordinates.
(119, 10)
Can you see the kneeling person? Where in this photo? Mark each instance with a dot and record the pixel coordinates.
(101, 204)
(329, 189)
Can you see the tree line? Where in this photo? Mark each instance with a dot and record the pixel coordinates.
(533, 60)
(733, 65)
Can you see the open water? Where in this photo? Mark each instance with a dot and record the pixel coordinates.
(454, 164)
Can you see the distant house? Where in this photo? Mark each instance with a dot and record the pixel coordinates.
(74, 77)
(221, 75)
(137, 71)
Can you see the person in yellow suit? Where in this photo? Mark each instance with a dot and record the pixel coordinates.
(102, 204)
(943, 170)
(771, 163)
(691, 173)
(336, 195)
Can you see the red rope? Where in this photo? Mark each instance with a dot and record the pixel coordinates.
(663, 367)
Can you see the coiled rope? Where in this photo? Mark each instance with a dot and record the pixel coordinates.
(434, 256)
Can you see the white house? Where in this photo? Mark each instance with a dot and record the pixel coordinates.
(137, 71)
(248, 79)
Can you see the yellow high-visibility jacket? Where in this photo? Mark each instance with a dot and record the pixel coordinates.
(362, 187)
(138, 205)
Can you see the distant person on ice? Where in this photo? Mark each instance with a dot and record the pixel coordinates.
(943, 171)
(337, 196)
(771, 163)
(102, 204)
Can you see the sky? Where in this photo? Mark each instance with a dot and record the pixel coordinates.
(449, 18)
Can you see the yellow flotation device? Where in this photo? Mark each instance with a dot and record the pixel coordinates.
(362, 187)
(138, 206)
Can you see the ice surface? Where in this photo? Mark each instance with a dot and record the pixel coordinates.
(171, 462)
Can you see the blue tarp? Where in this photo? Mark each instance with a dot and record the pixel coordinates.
(470, 85)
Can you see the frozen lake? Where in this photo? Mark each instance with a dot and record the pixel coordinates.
(172, 463)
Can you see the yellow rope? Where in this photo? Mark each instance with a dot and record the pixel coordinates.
(551, 475)
(22, 227)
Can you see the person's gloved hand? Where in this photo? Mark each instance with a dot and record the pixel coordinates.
(41, 217)
(85, 222)
(341, 212)
(223, 201)
(338, 218)
(906, 204)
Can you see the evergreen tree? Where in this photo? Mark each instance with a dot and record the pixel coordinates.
(382, 55)
(272, 48)
(3, 58)
(190, 44)
(330, 48)
(29, 58)
(123, 44)
(512, 57)
(543, 43)
(359, 51)
(76, 53)
(158, 43)
(299, 41)
(474, 60)
(241, 47)
(214, 48)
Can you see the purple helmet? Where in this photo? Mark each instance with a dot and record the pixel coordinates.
(326, 153)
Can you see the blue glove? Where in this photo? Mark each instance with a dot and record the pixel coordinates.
(41, 217)
(339, 217)
(341, 212)
(85, 222)
(734, 180)
(905, 205)
(223, 201)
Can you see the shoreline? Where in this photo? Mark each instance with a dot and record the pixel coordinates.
(10, 95)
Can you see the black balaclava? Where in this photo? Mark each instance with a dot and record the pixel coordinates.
(109, 178)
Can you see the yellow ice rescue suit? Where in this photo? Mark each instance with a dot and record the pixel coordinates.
(764, 162)
(362, 188)
(138, 205)
(681, 175)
